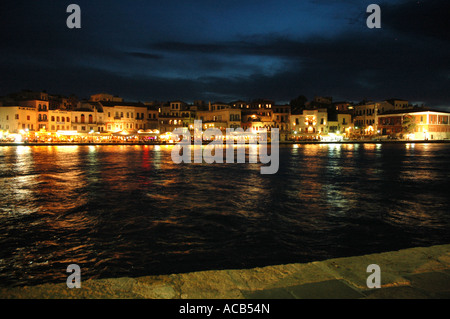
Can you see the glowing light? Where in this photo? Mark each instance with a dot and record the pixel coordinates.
(17, 138)
(67, 132)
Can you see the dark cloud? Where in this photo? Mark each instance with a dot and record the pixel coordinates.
(121, 51)
(353, 65)
(419, 18)
(144, 55)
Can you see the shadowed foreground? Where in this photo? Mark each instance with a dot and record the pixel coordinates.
(410, 273)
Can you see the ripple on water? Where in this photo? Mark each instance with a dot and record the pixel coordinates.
(129, 211)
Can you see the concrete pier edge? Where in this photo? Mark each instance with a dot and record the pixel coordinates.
(414, 273)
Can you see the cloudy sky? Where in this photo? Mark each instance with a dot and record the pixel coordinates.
(227, 50)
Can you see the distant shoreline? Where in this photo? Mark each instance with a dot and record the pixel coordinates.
(281, 143)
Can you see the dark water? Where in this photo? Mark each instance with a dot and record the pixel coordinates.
(129, 211)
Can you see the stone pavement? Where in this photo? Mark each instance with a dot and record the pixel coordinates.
(416, 273)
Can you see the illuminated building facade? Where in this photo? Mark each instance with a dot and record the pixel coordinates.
(281, 118)
(310, 125)
(124, 116)
(88, 118)
(366, 117)
(59, 120)
(14, 119)
(170, 116)
(257, 115)
(41, 107)
(415, 124)
(341, 124)
(221, 116)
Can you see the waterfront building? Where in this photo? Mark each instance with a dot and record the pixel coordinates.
(310, 125)
(398, 104)
(188, 117)
(340, 124)
(170, 116)
(152, 117)
(59, 102)
(258, 115)
(41, 107)
(17, 118)
(25, 95)
(240, 104)
(105, 97)
(281, 118)
(124, 116)
(88, 118)
(59, 120)
(365, 117)
(415, 124)
(323, 99)
(45, 114)
(221, 116)
(342, 106)
(176, 107)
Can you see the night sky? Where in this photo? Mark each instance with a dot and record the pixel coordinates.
(228, 50)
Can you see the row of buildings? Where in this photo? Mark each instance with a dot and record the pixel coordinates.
(105, 115)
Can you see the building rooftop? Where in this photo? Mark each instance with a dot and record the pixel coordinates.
(413, 110)
(112, 104)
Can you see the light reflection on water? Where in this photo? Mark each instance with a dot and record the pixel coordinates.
(130, 211)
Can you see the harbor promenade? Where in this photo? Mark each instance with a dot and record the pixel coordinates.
(416, 273)
(206, 143)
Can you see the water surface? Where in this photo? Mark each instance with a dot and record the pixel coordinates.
(129, 211)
